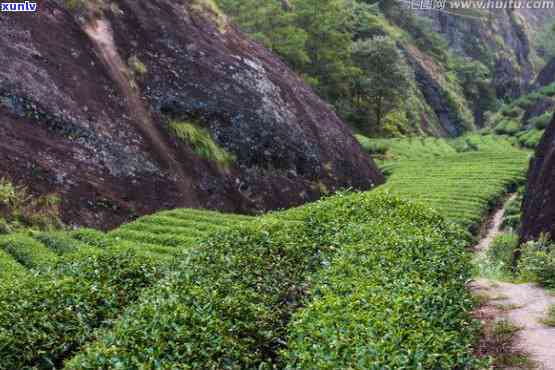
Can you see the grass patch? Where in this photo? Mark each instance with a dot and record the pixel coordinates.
(136, 66)
(20, 210)
(201, 142)
(550, 319)
(500, 338)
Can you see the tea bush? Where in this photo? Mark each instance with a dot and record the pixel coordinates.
(229, 303)
(463, 186)
(9, 268)
(393, 297)
(60, 242)
(29, 252)
(92, 237)
(45, 318)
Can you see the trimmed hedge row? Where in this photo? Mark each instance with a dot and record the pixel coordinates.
(92, 237)
(230, 302)
(29, 252)
(10, 269)
(45, 318)
(226, 307)
(61, 243)
(167, 239)
(393, 297)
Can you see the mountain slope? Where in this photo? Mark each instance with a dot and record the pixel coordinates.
(130, 107)
(538, 209)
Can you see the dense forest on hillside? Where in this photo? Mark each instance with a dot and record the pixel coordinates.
(391, 71)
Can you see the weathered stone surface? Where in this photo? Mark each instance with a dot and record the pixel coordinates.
(72, 124)
(539, 202)
(546, 75)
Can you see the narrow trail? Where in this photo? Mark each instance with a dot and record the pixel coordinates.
(100, 33)
(527, 305)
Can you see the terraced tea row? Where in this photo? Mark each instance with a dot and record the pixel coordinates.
(462, 182)
(196, 289)
(229, 302)
(58, 287)
(162, 235)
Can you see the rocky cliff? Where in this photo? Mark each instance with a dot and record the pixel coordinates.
(487, 56)
(539, 201)
(546, 75)
(119, 107)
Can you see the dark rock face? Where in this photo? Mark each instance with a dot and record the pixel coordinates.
(76, 123)
(546, 75)
(539, 202)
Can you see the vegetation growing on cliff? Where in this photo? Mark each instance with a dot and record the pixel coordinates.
(201, 142)
(525, 118)
(20, 209)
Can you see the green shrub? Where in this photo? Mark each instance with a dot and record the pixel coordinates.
(531, 138)
(201, 142)
(61, 242)
(229, 303)
(512, 111)
(43, 320)
(541, 122)
(512, 221)
(502, 249)
(92, 237)
(29, 252)
(10, 269)
(507, 127)
(537, 262)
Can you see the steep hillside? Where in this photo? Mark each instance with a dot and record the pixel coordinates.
(127, 107)
(539, 201)
(461, 64)
(526, 118)
(488, 56)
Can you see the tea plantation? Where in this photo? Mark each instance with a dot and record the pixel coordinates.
(462, 179)
(354, 281)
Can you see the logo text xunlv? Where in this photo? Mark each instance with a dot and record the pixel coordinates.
(19, 7)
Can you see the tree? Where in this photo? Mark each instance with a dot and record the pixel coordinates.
(272, 23)
(545, 41)
(329, 42)
(384, 78)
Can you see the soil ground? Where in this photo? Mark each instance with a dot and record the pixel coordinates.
(524, 305)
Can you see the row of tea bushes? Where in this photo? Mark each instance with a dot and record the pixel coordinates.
(230, 303)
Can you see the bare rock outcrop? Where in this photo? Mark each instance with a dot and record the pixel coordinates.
(538, 210)
(87, 96)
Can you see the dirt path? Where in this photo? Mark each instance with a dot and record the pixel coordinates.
(101, 35)
(525, 305)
